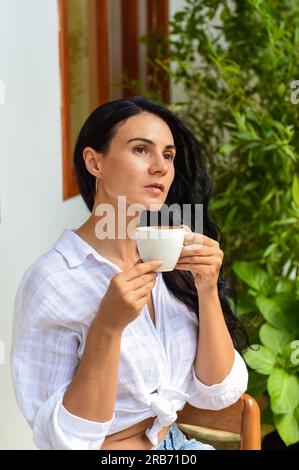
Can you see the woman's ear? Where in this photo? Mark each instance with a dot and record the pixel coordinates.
(92, 161)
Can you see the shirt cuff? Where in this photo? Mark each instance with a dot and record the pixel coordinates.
(223, 394)
(93, 431)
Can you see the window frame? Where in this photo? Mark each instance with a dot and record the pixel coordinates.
(157, 14)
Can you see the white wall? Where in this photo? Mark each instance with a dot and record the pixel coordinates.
(33, 213)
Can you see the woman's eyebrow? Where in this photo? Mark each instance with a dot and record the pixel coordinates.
(148, 141)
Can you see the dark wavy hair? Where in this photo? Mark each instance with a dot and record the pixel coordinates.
(191, 185)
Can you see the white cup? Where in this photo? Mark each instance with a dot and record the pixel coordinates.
(160, 243)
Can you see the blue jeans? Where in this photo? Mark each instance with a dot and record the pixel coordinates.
(175, 439)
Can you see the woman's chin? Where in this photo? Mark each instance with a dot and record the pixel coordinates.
(152, 205)
(149, 203)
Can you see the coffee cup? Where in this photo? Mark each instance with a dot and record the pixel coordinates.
(163, 243)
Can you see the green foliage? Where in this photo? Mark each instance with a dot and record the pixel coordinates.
(278, 355)
(232, 64)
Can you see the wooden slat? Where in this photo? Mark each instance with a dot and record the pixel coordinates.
(251, 428)
(243, 418)
(70, 187)
(158, 14)
(227, 419)
(92, 38)
(130, 34)
(103, 50)
(158, 22)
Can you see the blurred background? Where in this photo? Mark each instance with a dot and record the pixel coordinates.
(230, 69)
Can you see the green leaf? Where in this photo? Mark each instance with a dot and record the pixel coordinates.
(240, 120)
(180, 16)
(270, 249)
(281, 89)
(231, 215)
(288, 427)
(270, 147)
(251, 273)
(277, 314)
(257, 383)
(285, 286)
(273, 338)
(253, 144)
(285, 221)
(245, 305)
(262, 360)
(219, 203)
(268, 196)
(295, 189)
(283, 389)
(250, 186)
(287, 303)
(228, 147)
(289, 151)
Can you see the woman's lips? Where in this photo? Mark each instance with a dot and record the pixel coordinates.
(154, 189)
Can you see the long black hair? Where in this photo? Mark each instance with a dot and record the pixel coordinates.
(191, 185)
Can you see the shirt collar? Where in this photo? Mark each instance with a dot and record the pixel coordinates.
(75, 250)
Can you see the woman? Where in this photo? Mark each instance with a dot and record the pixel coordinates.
(106, 350)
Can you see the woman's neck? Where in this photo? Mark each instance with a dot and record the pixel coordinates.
(122, 250)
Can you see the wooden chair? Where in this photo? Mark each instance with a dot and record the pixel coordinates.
(243, 418)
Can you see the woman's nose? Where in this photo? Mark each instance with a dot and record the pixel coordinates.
(159, 163)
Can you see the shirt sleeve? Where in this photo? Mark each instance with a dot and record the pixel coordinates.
(44, 359)
(219, 395)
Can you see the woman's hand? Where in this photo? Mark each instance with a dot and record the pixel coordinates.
(203, 257)
(127, 294)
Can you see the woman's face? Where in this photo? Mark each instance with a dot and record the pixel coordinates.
(133, 163)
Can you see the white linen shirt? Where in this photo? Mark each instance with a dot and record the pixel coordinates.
(57, 299)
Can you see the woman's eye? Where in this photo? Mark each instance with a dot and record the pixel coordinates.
(138, 148)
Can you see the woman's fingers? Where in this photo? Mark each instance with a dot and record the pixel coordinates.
(197, 250)
(191, 238)
(145, 289)
(197, 260)
(139, 269)
(200, 268)
(194, 237)
(141, 281)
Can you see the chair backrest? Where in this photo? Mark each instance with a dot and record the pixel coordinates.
(243, 417)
